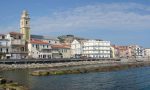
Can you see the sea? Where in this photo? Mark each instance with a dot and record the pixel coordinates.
(130, 79)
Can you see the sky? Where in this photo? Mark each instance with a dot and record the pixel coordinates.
(123, 22)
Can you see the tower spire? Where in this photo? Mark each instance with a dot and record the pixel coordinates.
(25, 25)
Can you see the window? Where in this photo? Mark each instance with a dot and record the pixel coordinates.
(19, 37)
(3, 37)
(7, 50)
(36, 46)
(26, 22)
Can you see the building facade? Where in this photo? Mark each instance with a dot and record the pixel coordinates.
(17, 45)
(13, 46)
(76, 48)
(147, 52)
(39, 49)
(97, 49)
(4, 47)
(137, 51)
(122, 51)
(63, 51)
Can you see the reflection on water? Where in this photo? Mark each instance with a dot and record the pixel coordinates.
(132, 79)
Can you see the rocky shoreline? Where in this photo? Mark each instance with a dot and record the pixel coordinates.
(4, 67)
(100, 67)
(93, 68)
(6, 84)
(75, 67)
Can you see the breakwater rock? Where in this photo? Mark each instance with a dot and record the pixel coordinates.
(92, 68)
(6, 84)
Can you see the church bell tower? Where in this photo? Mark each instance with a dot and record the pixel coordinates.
(25, 25)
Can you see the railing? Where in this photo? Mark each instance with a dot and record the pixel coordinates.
(18, 42)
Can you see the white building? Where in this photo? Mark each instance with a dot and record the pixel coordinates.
(137, 51)
(17, 45)
(12, 46)
(4, 47)
(76, 48)
(147, 52)
(39, 49)
(97, 49)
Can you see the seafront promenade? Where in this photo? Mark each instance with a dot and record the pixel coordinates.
(42, 61)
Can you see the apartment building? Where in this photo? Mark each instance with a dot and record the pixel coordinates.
(97, 49)
(137, 51)
(77, 48)
(39, 49)
(122, 51)
(17, 45)
(4, 47)
(63, 51)
(147, 52)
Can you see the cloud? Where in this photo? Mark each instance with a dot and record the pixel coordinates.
(99, 16)
(10, 28)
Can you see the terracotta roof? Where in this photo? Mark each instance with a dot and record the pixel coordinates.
(60, 46)
(34, 41)
(15, 33)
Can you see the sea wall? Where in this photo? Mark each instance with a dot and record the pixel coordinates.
(93, 68)
(52, 65)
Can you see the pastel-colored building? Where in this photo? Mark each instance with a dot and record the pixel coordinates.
(112, 54)
(39, 49)
(122, 51)
(64, 51)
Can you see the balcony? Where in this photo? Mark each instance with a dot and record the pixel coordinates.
(3, 46)
(18, 42)
(18, 52)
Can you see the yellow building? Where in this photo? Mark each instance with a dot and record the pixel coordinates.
(112, 52)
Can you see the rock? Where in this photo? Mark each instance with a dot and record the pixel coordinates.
(3, 81)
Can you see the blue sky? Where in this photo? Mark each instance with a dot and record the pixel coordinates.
(123, 22)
